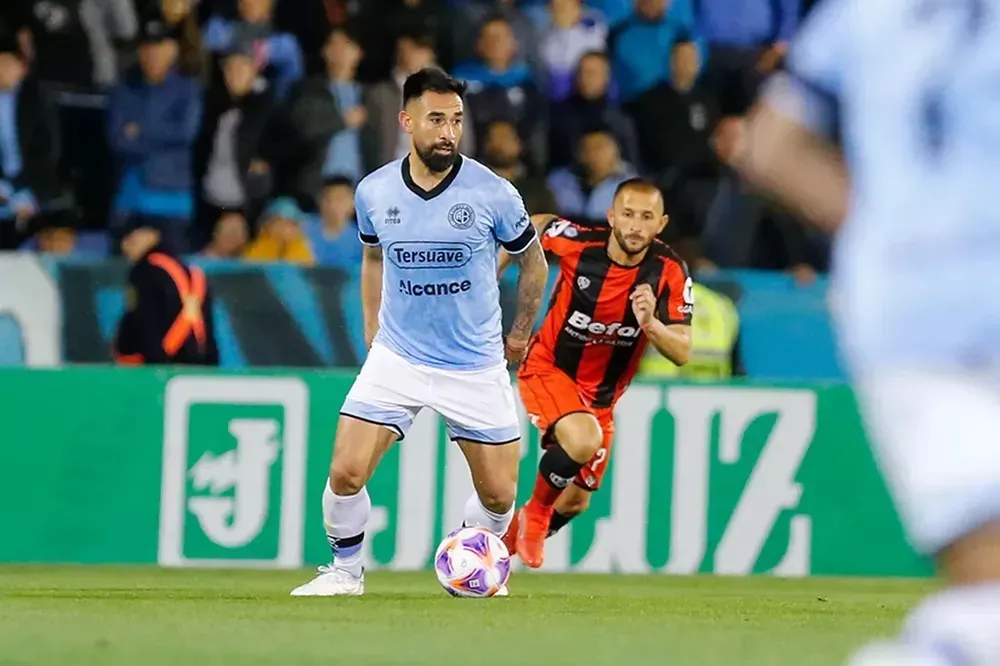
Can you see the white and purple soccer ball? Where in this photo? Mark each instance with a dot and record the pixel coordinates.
(472, 562)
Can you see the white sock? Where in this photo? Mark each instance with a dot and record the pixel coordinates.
(477, 515)
(345, 517)
(959, 626)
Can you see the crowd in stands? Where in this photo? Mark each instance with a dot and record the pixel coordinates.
(239, 128)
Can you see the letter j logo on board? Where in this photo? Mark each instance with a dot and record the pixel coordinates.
(233, 472)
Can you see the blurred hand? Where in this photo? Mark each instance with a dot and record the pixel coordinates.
(355, 117)
(259, 167)
(770, 59)
(132, 131)
(730, 139)
(804, 274)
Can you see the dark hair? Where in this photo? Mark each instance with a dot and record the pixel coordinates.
(638, 183)
(430, 79)
(421, 39)
(682, 39)
(348, 30)
(337, 181)
(494, 18)
(593, 53)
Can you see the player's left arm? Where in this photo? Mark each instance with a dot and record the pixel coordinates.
(517, 236)
(782, 146)
(667, 321)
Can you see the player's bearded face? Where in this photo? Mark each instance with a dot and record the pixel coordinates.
(632, 241)
(436, 126)
(438, 155)
(636, 219)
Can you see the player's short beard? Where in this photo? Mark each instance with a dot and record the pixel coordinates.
(436, 162)
(625, 248)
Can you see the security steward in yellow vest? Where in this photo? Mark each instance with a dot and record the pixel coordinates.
(714, 330)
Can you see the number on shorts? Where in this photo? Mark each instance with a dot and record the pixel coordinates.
(600, 458)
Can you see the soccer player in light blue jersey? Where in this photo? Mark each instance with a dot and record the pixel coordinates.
(433, 223)
(912, 87)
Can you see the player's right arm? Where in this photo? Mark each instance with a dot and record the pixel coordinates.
(782, 147)
(371, 268)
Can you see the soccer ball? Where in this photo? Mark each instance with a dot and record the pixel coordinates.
(472, 562)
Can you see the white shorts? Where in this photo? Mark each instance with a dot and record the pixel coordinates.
(477, 405)
(937, 437)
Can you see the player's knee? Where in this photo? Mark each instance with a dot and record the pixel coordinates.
(572, 502)
(346, 479)
(580, 435)
(498, 498)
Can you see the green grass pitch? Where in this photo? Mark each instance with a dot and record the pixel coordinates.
(143, 616)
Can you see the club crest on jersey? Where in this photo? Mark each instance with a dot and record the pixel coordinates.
(583, 282)
(392, 216)
(461, 216)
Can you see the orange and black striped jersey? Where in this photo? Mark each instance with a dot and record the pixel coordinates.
(590, 332)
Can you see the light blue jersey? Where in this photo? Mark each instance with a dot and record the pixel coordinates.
(914, 88)
(440, 296)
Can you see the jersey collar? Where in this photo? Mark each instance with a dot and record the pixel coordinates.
(427, 195)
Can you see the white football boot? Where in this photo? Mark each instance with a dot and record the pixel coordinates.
(332, 582)
(889, 654)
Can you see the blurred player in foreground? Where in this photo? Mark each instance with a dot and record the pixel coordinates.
(432, 223)
(619, 288)
(914, 201)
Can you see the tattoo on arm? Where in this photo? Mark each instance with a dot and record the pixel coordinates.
(533, 273)
(373, 252)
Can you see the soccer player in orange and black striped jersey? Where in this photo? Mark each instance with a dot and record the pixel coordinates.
(618, 289)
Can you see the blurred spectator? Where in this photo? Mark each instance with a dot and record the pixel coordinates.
(310, 22)
(587, 191)
(614, 11)
(153, 118)
(56, 234)
(502, 154)
(229, 238)
(231, 173)
(470, 15)
(386, 20)
(168, 315)
(588, 106)
(501, 88)
(281, 237)
(72, 41)
(29, 148)
(302, 139)
(333, 236)
(384, 99)
(72, 48)
(640, 46)
(278, 53)
(746, 41)
(344, 156)
(676, 120)
(183, 20)
(745, 230)
(571, 31)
